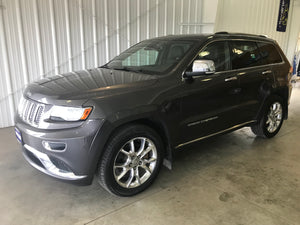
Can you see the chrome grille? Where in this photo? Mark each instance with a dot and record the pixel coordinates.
(30, 111)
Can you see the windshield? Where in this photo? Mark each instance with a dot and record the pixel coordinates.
(151, 56)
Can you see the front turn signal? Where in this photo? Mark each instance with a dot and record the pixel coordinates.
(86, 113)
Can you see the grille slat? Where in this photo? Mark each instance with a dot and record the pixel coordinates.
(38, 114)
(25, 110)
(31, 111)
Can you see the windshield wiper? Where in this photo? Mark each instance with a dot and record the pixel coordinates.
(124, 68)
(128, 69)
(104, 66)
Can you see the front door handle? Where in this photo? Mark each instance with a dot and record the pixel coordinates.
(230, 79)
(267, 72)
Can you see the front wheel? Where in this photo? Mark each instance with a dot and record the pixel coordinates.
(131, 160)
(271, 119)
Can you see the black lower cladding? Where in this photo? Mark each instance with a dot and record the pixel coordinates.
(33, 158)
(57, 162)
(60, 164)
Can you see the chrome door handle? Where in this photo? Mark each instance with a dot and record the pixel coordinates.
(267, 72)
(230, 79)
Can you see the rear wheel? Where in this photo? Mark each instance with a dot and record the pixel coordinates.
(271, 119)
(131, 160)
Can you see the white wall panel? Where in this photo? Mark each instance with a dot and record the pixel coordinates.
(294, 30)
(40, 38)
(259, 17)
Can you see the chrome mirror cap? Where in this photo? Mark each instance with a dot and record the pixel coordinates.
(204, 66)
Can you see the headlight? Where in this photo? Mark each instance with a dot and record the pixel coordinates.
(69, 113)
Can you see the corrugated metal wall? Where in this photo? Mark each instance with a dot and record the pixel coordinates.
(41, 38)
(256, 17)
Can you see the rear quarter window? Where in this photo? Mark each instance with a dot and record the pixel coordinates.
(269, 53)
(245, 54)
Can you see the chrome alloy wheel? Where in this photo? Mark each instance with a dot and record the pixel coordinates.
(274, 117)
(135, 162)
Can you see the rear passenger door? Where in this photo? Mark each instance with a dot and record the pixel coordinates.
(272, 58)
(253, 71)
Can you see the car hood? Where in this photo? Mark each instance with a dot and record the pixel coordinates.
(78, 87)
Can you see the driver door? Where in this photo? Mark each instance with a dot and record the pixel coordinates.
(210, 102)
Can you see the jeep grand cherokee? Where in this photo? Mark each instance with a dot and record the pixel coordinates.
(121, 120)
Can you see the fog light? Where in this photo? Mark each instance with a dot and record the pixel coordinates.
(54, 146)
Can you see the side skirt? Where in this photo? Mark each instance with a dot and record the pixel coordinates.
(219, 132)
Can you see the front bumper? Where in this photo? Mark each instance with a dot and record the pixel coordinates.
(73, 162)
(42, 162)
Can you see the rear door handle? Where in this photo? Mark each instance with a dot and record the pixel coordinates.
(267, 72)
(230, 79)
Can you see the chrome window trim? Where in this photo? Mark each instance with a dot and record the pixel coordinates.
(236, 70)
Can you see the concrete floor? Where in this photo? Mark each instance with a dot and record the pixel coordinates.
(231, 179)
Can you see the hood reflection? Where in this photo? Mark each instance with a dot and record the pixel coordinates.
(91, 79)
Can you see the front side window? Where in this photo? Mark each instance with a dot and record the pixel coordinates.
(269, 53)
(245, 54)
(152, 56)
(219, 53)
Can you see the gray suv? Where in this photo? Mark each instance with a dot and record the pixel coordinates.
(122, 120)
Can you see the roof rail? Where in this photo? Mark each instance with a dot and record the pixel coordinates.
(222, 32)
(264, 35)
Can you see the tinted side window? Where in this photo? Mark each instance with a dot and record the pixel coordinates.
(269, 53)
(217, 52)
(245, 54)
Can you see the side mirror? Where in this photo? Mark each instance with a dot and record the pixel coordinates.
(201, 67)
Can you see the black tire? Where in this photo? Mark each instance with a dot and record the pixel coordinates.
(113, 158)
(262, 127)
